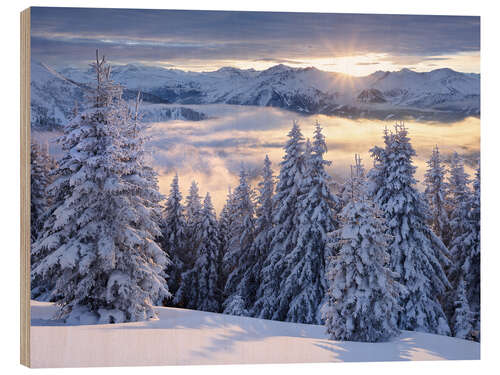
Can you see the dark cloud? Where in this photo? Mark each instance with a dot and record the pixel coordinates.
(70, 35)
(279, 61)
(435, 58)
(367, 63)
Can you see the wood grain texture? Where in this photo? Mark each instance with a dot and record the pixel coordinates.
(25, 187)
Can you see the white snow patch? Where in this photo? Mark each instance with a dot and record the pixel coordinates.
(186, 337)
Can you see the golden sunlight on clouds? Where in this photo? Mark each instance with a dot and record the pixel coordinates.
(353, 65)
(212, 151)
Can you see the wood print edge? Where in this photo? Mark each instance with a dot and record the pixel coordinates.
(25, 188)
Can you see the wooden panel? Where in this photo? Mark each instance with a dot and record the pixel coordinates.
(25, 187)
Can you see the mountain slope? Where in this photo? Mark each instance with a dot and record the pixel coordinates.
(187, 337)
(304, 90)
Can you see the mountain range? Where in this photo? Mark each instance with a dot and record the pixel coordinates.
(441, 93)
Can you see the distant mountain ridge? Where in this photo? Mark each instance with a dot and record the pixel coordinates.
(442, 92)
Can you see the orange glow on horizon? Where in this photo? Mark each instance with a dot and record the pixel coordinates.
(351, 65)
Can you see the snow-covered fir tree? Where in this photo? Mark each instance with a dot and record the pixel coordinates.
(465, 245)
(240, 256)
(98, 242)
(193, 216)
(460, 225)
(417, 255)
(199, 288)
(348, 188)
(303, 285)
(362, 294)
(285, 224)
(174, 235)
(263, 224)
(436, 194)
(460, 228)
(40, 179)
(141, 172)
(472, 265)
(193, 211)
(463, 318)
(225, 220)
(242, 300)
(225, 227)
(42, 167)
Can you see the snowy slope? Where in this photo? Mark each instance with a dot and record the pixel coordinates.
(304, 90)
(191, 337)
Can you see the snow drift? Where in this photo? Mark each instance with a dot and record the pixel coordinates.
(187, 337)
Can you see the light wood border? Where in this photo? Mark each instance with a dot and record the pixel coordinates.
(25, 186)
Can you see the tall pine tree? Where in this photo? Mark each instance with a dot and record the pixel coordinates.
(285, 224)
(417, 255)
(193, 214)
(436, 195)
(240, 256)
(40, 179)
(303, 281)
(174, 235)
(242, 300)
(465, 247)
(463, 318)
(362, 294)
(472, 265)
(193, 211)
(225, 228)
(461, 227)
(99, 241)
(199, 287)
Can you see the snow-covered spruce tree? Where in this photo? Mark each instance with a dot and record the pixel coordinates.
(362, 294)
(174, 235)
(239, 256)
(199, 287)
(98, 242)
(243, 297)
(347, 189)
(225, 227)
(461, 227)
(285, 225)
(303, 285)
(417, 255)
(463, 318)
(465, 246)
(472, 265)
(141, 172)
(40, 179)
(225, 221)
(435, 192)
(193, 214)
(263, 225)
(193, 211)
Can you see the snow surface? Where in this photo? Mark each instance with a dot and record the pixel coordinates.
(187, 337)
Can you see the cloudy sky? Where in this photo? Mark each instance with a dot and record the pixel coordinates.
(207, 40)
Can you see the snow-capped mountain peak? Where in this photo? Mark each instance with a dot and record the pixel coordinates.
(305, 90)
